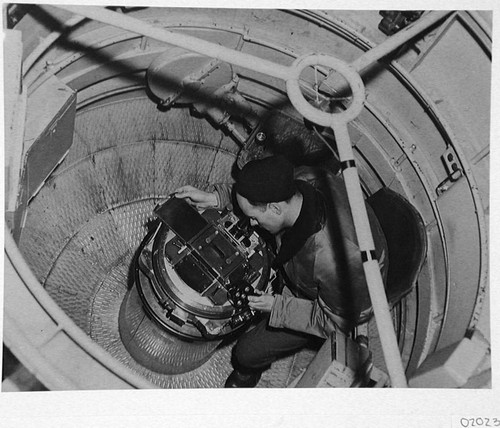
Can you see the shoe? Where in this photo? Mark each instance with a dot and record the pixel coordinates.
(238, 379)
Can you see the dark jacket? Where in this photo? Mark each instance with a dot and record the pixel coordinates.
(323, 271)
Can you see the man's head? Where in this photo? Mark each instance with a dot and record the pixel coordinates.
(266, 192)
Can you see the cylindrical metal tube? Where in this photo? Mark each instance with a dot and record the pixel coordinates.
(371, 268)
(338, 122)
(185, 41)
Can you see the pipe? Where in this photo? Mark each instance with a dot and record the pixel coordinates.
(184, 41)
(371, 268)
(338, 123)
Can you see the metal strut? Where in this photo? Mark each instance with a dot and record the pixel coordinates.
(337, 121)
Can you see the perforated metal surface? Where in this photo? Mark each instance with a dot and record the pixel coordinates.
(64, 205)
(85, 225)
(155, 348)
(136, 120)
(105, 309)
(131, 220)
(180, 163)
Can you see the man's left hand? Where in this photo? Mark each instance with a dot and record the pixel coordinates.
(262, 302)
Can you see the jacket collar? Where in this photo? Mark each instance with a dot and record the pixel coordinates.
(308, 223)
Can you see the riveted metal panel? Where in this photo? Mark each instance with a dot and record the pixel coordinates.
(396, 161)
(49, 131)
(481, 168)
(403, 112)
(450, 69)
(463, 248)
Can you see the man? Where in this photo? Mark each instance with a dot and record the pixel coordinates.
(317, 256)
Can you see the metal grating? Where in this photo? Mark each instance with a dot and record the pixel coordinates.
(155, 348)
(82, 264)
(131, 220)
(136, 120)
(121, 176)
(67, 203)
(182, 163)
(78, 195)
(105, 309)
(42, 240)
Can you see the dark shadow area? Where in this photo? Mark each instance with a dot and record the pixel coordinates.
(17, 376)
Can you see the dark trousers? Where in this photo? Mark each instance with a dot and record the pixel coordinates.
(261, 346)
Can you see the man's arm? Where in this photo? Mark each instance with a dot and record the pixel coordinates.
(218, 197)
(307, 316)
(287, 311)
(224, 195)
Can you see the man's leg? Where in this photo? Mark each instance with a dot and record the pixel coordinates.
(258, 348)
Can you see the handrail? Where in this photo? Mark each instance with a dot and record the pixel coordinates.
(337, 121)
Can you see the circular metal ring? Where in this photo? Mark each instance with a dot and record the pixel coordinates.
(313, 114)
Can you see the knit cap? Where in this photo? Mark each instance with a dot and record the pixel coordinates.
(266, 180)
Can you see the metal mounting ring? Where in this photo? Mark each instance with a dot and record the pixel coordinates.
(313, 114)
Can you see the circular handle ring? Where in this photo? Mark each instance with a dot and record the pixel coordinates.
(312, 113)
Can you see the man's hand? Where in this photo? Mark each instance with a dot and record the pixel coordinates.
(196, 197)
(262, 302)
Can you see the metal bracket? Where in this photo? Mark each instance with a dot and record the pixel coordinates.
(453, 169)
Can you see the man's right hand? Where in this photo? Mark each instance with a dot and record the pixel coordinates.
(196, 197)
